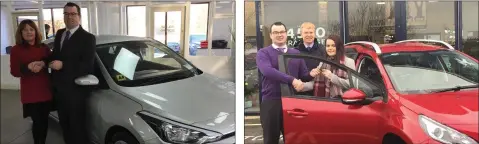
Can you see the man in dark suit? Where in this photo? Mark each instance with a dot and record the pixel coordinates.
(72, 57)
(310, 46)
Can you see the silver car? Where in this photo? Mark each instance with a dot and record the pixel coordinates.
(145, 93)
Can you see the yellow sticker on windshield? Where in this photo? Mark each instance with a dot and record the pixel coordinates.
(120, 78)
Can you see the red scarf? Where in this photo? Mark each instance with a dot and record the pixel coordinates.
(323, 85)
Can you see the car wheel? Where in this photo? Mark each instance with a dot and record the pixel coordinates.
(123, 138)
(393, 139)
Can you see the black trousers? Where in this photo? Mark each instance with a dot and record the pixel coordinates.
(71, 105)
(271, 117)
(38, 112)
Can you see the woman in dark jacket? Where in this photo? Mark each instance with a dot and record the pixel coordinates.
(27, 62)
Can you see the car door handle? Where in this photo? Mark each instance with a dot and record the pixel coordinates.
(297, 113)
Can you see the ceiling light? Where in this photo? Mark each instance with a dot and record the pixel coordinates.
(381, 3)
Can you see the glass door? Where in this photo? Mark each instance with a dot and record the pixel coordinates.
(168, 26)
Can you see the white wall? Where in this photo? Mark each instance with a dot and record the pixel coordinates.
(108, 18)
(7, 80)
(6, 30)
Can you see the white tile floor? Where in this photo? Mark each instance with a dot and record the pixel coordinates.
(17, 130)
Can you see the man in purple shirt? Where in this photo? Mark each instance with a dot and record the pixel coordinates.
(267, 60)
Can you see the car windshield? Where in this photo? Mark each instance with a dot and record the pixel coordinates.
(425, 72)
(139, 63)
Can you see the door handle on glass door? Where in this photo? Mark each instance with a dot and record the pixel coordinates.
(297, 112)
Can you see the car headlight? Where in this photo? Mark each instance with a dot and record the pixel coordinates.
(443, 133)
(173, 132)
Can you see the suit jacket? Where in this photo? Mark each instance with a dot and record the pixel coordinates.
(77, 56)
(316, 50)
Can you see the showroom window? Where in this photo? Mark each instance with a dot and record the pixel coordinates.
(371, 21)
(53, 17)
(431, 20)
(251, 88)
(198, 26)
(326, 18)
(136, 20)
(470, 25)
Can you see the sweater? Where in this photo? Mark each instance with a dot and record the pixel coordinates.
(34, 87)
(267, 61)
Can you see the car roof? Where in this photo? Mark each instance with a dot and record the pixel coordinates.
(106, 39)
(403, 47)
(408, 47)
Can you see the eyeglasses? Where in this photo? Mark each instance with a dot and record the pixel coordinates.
(277, 33)
(70, 14)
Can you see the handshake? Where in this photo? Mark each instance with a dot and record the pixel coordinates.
(299, 85)
(37, 66)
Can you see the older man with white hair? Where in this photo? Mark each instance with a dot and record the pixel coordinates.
(310, 46)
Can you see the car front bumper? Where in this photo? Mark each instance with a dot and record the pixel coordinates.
(229, 140)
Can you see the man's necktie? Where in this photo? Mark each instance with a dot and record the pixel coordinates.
(281, 50)
(67, 36)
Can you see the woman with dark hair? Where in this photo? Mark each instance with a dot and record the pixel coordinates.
(27, 62)
(330, 81)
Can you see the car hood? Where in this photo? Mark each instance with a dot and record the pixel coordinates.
(451, 108)
(199, 100)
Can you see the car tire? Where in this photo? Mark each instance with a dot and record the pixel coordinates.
(390, 139)
(123, 138)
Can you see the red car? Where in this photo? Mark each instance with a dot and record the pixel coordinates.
(407, 92)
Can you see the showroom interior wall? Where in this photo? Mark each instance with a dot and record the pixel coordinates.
(109, 18)
(5, 22)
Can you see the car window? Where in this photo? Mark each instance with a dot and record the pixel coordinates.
(368, 68)
(322, 87)
(97, 72)
(351, 53)
(423, 72)
(137, 63)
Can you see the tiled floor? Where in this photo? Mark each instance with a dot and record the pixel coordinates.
(17, 130)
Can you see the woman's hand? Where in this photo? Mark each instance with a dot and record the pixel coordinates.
(315, 72)
(36, 66)
(327, 73)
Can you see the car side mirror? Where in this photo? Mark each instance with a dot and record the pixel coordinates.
(87, 80)
(353, 96)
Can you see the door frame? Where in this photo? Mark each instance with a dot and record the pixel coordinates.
(166, 8)
(16, 14)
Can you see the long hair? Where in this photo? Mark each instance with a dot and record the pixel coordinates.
(19, 40)
(338, 42)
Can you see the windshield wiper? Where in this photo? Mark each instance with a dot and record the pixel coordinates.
(457, 88)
